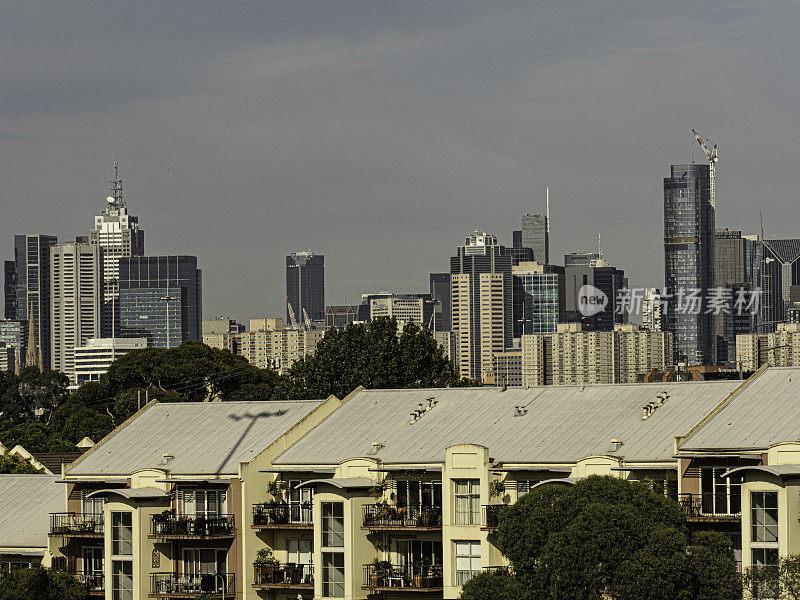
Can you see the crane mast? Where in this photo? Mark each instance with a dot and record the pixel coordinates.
(711, 154)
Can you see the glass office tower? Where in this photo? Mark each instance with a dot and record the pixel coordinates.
(689, 262)
(305, 286)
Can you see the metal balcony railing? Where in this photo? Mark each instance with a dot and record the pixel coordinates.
(192, 526)
(491, 513)
(267, 514)
(286, 575)
(94, 581)
(411, 576)
(710, 505)
(75, 524)
(221, 585)
(386, 516)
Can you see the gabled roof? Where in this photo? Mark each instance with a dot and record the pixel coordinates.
(560, 424)
(763, 413)
(25, 504)
(202, 437)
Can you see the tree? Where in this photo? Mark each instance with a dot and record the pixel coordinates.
(35, 436)
(606, 537)
(494, 586)
(16, 465)
(41, 584)
(371, 355)
(774, 581)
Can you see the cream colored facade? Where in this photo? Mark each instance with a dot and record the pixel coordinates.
(576, 357)
(278, 349)
(779, 349)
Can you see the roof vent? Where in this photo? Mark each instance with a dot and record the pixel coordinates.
(520, 411)
(662, 397)
(376, 447)
(616, 444)
(167, 458)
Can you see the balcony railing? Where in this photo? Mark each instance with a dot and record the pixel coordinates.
(94, 581)
(411, 577)
(76, 525)
(384, 516)
(500, 570)
(219, 585)
(711, 506)
(288, 575)
(283, 515)
(184, 526)
(491, 512)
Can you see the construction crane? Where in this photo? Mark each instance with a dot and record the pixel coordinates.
(712, 162)
(306, 320)
(292, 318)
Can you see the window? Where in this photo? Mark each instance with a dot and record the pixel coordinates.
(121, 534)
(301, 554)
(764, 518)
(202, 565)
(419, 493)
(122, 580)
(92, 561)
(300, 502)
(468, 502)
(92, 506)
(418, 552)
(720, 495)
(332, 525)
(203, 503)
(333, 574)
(468, 561)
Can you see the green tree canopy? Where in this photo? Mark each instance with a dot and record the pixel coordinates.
(40, 584)
(605, 537)
(15, 465)
(374, 356)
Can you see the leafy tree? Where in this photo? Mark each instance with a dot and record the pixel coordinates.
(73, 421)
(494, 586)
(16, 465)
(605, 537)
(374, 356)
(40, 584)
(35, 436)
(774, 581)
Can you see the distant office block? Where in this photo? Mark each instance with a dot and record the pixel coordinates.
(339, 317)
(117, 232)
(10, 289)
(406, 308)
(32, 270)
(305, 286)
(7, 357)
(76, 297)
(652, 309)
(581, 259)
(539, 298)
(440, 291)
(161, 299)
(535, 235)
(221, 325)
(93, 358)
(602, 276)
(14, 333)
(781, 271)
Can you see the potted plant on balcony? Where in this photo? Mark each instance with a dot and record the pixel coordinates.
(377, 567)
(496, 488)
(269, 564)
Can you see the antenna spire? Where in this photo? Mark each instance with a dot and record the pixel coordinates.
(116, 186)
(547, 195)
(599, 247)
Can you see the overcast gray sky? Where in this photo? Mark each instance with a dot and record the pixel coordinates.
(380, 133)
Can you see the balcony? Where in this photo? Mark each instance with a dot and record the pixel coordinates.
(287, 576)
(499, 570)
(283, 516)
(490, 516)
(170, 585)
(184, 527)
(94, 580)
(710, 507)
(406, 579)
(383, 517)
(76, 525)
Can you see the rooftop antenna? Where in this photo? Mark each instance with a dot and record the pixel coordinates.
(599, 247)
(116, 186)
(547, 196)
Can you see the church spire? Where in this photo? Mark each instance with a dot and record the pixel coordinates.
(32, 357)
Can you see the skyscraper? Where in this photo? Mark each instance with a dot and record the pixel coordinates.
(536, 236)
(609, 280)
(118, 234)
(781, 271)
(652, 310)
(481, 301)
(689, 261)
(539, 300)
(10, 289)
(440, 291)
(32, 267)
(161, 299)
(76, 292)
(305, 286)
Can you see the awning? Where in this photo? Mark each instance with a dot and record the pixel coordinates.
(782, 471)
(701, 455)
(647, 468)
(282, 469)
(393, 469)
(206, 480)
(115, 481)
(564, 480)
(146, 493)
(343, 482)
(538, 469)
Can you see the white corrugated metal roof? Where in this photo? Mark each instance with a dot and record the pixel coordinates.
(202, 437)
(765, 412)
(562, 424)
(25, 504)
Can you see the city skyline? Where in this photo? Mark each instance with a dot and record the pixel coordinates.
(456, 132)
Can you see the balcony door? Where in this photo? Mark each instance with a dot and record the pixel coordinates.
(419, 553)
(720, 495)
(93, 566)
(301, 553)
(419, 493)
(203, 503)
(300, 502)
(92, 507)
(204, 561)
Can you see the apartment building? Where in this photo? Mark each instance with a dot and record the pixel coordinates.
(277, 349)
(160, 507)
(92, 359)
(573, 356)
(779, 349)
